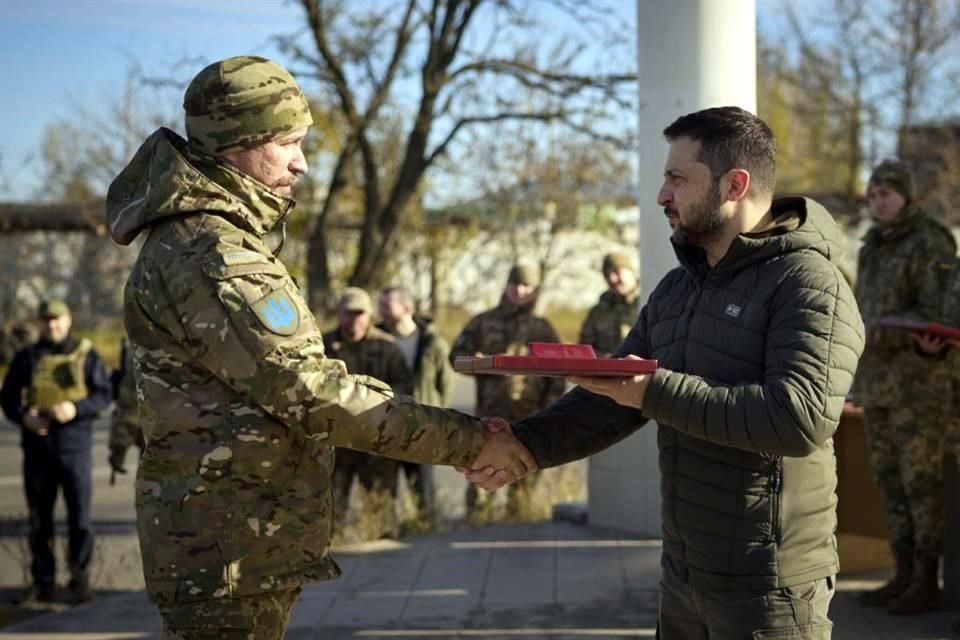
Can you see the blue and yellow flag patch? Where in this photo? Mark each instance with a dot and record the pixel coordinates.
(278, 312)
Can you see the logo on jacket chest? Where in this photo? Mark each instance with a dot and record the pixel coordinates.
(733, 310)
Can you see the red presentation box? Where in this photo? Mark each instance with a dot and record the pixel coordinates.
(933, 328)
(557, 360)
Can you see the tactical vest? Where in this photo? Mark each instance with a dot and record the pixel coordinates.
(59, 377)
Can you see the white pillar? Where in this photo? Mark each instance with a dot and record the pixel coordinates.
(693, 54)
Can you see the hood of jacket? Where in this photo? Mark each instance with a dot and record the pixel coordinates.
(166, 179)
(792, 224)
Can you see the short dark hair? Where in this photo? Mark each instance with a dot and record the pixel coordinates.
(405, 296)
(731, 138)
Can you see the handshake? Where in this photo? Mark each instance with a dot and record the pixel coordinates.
(502, 460)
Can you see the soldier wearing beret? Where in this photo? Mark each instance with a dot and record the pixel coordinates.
(240, 405)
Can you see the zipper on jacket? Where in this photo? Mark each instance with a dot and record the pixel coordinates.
(775, 483)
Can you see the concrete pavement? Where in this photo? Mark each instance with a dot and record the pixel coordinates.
(546, 580)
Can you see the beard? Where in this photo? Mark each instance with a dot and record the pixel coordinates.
(705, 221)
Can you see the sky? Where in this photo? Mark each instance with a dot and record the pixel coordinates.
(61, 56)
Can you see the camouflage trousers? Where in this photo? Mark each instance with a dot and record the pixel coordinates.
(260, 617)
(906, 452)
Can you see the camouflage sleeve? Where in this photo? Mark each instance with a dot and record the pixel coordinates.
(927, 279)
(124, 423)
(252, 329)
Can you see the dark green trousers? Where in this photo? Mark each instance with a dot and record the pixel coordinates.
(262, 617)
(790, 613)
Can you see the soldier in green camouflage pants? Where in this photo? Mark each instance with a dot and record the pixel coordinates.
(936, 346)
(609, 321)
(369, 351)
(240, 406)
(905, 394)
(125, 421)
(509, 328)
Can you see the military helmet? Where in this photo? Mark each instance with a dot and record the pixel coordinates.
(242, 102)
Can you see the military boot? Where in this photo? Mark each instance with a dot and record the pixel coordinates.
(924, 593)
(80, 590)
(40, 592)
(896, 585)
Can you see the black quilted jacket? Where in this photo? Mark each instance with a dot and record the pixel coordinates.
(756, 356)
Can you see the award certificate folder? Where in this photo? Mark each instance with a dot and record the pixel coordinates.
(557, 360)
(934, 328)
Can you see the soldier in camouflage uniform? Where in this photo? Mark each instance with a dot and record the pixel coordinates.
(54, 390)
(508, 328)
(904, 393)
(125, 421)
(239, 405)
(369, 351)
(610, 319)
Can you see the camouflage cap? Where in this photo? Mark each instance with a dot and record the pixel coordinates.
(527, 274)
(355, 299)
(616, 260)
(53, 308)
(894, 174)
(241, 102)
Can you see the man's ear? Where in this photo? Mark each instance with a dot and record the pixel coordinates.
(738, 185)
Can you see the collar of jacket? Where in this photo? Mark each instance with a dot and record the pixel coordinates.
(613, 298)
(902, 225)
(793, 223)
(166, 180)
(260, 208)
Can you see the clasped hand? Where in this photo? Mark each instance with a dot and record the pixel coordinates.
(502, 460)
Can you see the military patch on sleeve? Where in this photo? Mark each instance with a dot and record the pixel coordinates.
(234, 258)
(278, 312)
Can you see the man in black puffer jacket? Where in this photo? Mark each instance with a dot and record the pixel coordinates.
(757, 335)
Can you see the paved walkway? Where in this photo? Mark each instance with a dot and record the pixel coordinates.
(549, 580)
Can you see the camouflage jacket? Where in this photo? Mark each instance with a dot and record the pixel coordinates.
(240, 407)
(609, 321)
(897, 275)
(951, 312)
(125, 422)
(375, 355)
(508, 329)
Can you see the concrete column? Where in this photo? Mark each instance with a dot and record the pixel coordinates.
(692, 54)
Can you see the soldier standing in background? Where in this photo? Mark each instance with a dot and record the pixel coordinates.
(54, 390)
(125, 421)
(427, 355)
(509, 328)
(609, 320)
(903, 393)
(366, 350)
(935, 346)
(239, 405)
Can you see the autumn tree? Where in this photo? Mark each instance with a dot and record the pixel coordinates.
(445, 67)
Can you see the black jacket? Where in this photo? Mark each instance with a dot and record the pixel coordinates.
(756, 356)
(74, 435)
